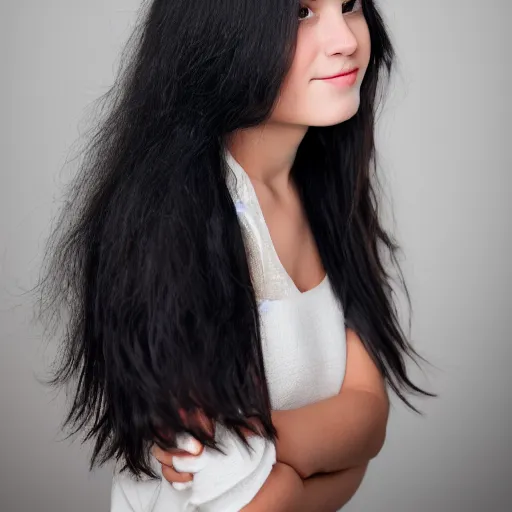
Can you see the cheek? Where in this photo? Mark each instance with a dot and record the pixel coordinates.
(302, 67)
(362, 34)
(296, 85)
(305, 54)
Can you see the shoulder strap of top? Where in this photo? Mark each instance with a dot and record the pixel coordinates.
(270, 280)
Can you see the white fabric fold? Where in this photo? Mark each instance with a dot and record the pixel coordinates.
(223, 482)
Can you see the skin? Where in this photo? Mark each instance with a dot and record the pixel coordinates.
(328, 42)
(328, 469)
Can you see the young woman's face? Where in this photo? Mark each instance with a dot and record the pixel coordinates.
(333, 38)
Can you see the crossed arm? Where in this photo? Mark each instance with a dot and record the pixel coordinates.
(324, 448)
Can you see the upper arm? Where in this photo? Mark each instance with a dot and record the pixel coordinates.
(361, 372)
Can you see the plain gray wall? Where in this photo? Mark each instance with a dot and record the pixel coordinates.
(444, 154)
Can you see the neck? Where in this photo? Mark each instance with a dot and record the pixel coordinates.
(267, 152)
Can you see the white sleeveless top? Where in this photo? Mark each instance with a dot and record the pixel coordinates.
(304, 351)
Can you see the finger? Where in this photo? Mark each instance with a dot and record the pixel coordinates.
(173, 476)
(180, 452)
(182, 486)
(188, 445)
(164, 457)
(190, 464)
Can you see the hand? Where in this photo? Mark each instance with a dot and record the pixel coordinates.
(187, 451)
(167, 460)
(188, 448)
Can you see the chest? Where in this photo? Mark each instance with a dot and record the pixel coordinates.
(302, 323)
(304, 347)
(291, 237)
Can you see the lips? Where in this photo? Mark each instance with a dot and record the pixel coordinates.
(344, 73)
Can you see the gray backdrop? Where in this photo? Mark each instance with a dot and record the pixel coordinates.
(443, 153)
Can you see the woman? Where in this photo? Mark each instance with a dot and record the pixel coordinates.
(222, 266)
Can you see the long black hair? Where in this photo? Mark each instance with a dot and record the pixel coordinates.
(148, 258)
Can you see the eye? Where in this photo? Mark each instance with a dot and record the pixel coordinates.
(351, 6)
(303, 12)
(347, 8)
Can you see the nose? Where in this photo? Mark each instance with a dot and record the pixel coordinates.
(337, 36)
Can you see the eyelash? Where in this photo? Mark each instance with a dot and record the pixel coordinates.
(344, 4)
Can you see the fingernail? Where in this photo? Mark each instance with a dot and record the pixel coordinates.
(182, 486)
(190, 444)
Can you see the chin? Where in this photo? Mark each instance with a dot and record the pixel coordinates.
(331, 115)
(332, 120)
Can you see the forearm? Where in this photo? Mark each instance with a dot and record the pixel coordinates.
(284, 491)
(341, 432)
(330, 492)
(281, 492)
